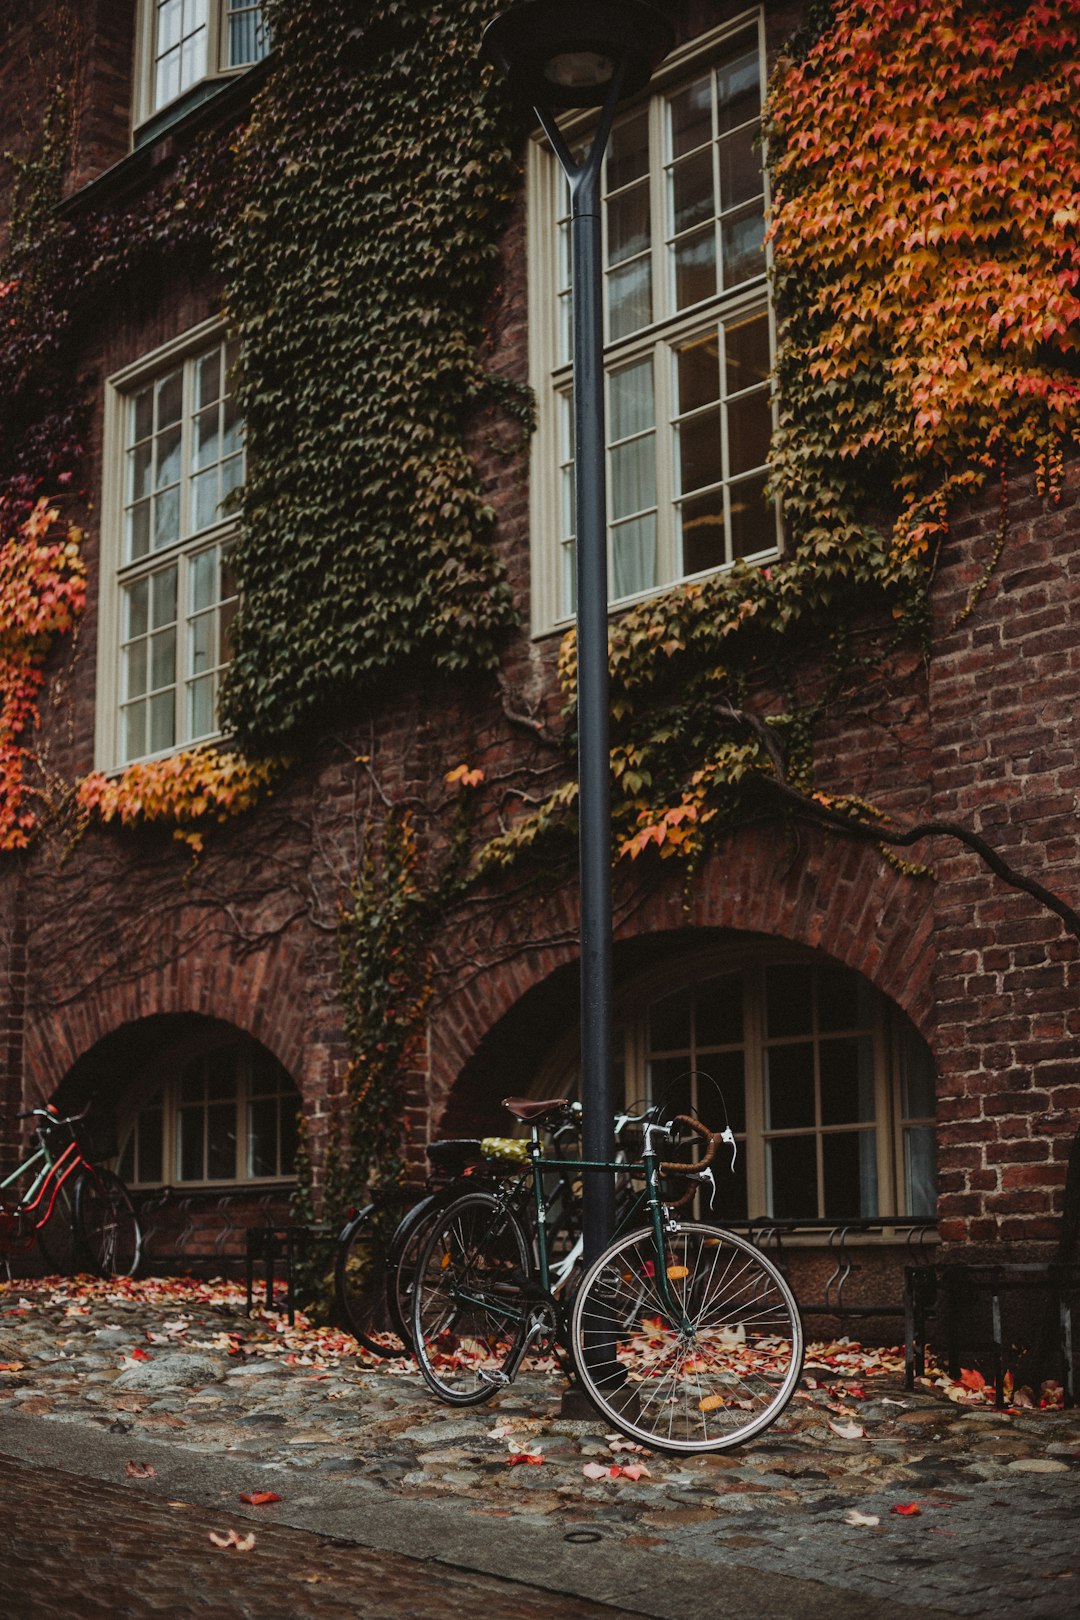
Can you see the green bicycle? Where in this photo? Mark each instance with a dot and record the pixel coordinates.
(684, 1335)
(76, 1211)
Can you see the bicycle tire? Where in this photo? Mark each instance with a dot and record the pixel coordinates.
(469, 1304)
(715, 1386)
(406, 1247)
(58, 1239)
(361, 1281)
(109, 1234)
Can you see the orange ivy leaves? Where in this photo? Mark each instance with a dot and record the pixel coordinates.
(926, 162)
(42, 592)
(187, 791)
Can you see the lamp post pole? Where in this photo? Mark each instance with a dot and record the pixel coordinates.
(587, 53)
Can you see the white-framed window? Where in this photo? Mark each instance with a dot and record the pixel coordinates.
(174, 454)
(828, 1088)
(182, 43)
(224, 1114)
(688, 332)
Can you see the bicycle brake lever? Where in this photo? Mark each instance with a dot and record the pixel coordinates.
(727, 1135)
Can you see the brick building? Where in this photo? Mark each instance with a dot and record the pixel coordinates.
(888, 1045)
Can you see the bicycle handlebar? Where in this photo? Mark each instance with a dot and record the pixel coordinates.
(713, 1138)
(49, 1113)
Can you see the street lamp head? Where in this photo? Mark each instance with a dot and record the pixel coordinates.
(564, 53)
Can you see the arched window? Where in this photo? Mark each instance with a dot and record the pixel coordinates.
(222, 1111)
(828, 1088)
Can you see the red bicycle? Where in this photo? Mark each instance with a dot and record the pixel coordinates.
(79, 1213)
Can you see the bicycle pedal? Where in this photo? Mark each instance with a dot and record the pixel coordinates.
(496, 1377)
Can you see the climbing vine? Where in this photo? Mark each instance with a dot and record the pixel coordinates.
(925, 165)
(358, 267)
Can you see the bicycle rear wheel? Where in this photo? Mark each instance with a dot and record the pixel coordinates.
(58, 1238)
(107, 1225)
(362, 1277)
(469, 1305)
(711, 1374)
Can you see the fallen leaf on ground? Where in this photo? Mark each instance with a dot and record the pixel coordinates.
(848, 1431)
(597, 1471)
(12, 1366)
(853, 1516)
(137, 1470)
(516, 1457)
(139, 1354)
(626, 1445)
(908, 1510)
(634, 1471)
(260, 1498)
(231, 1539)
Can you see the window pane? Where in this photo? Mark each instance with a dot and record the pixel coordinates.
(170, 399)
(695, 267)
(669, 1023)
(791, 1178)
(133, 730)
(726, 1068)
(208, 378)
(628, 152)
(166, 518)
(670, 1085)
(849, 1167)
(201, 707)
(920, 1170)
(918, 1088)
(742, 235)
(740, 167)
(231, 427)
(630, 400)
(201, 642)
(633, 476)
(204, 500)
(137, 608)
(629, 292)
(729, 1202)
(142, 415)
(747, 360)
(749, 425)
(134, 684)
(262, 1137)
(202, 577)
(221, 1142)
(698, 367)
(289, 1105)
(789, 999)
(628, 224)
(633, 556)
(162, 659)
(847, 1081)
(702, 530)
(162, 722)
(138, 532)
(789, 1087)
(139, 472)
(692, 192)
(700, 455)
(190, 1144)
(753, 520)
(719, 1011)
(207, 448)
(843, 999)
(691, 117)
(164, 597)
(738, 82)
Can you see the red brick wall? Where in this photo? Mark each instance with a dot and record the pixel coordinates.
(1004, 702)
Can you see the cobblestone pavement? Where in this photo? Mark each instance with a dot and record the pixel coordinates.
(997, 1493)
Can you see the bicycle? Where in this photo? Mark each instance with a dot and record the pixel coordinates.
(74, 1209)
(684, 1336)
(379, 1245)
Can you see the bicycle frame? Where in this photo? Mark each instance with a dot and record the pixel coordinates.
(48, 1176)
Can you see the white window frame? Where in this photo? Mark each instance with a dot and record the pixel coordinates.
(558, 1075)
(167, 1098)
(119, 389)
(217, 66)
(550, 375)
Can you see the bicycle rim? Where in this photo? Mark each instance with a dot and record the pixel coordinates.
(468, 1304)
(708, 1377)
(107, 1224)
(406, 1247)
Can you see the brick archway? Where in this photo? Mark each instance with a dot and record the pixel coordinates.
(842, 899)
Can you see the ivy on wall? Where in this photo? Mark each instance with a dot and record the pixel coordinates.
(358, 265)
(925, 175)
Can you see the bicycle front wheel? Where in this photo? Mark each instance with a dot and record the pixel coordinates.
(706, 1368)
(58, 1237)
(469, 1307)
(108, 1227)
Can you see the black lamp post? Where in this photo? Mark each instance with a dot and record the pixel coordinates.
(587, 53)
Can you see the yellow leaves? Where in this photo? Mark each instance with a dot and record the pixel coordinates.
(187, 790)
(462, 776)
